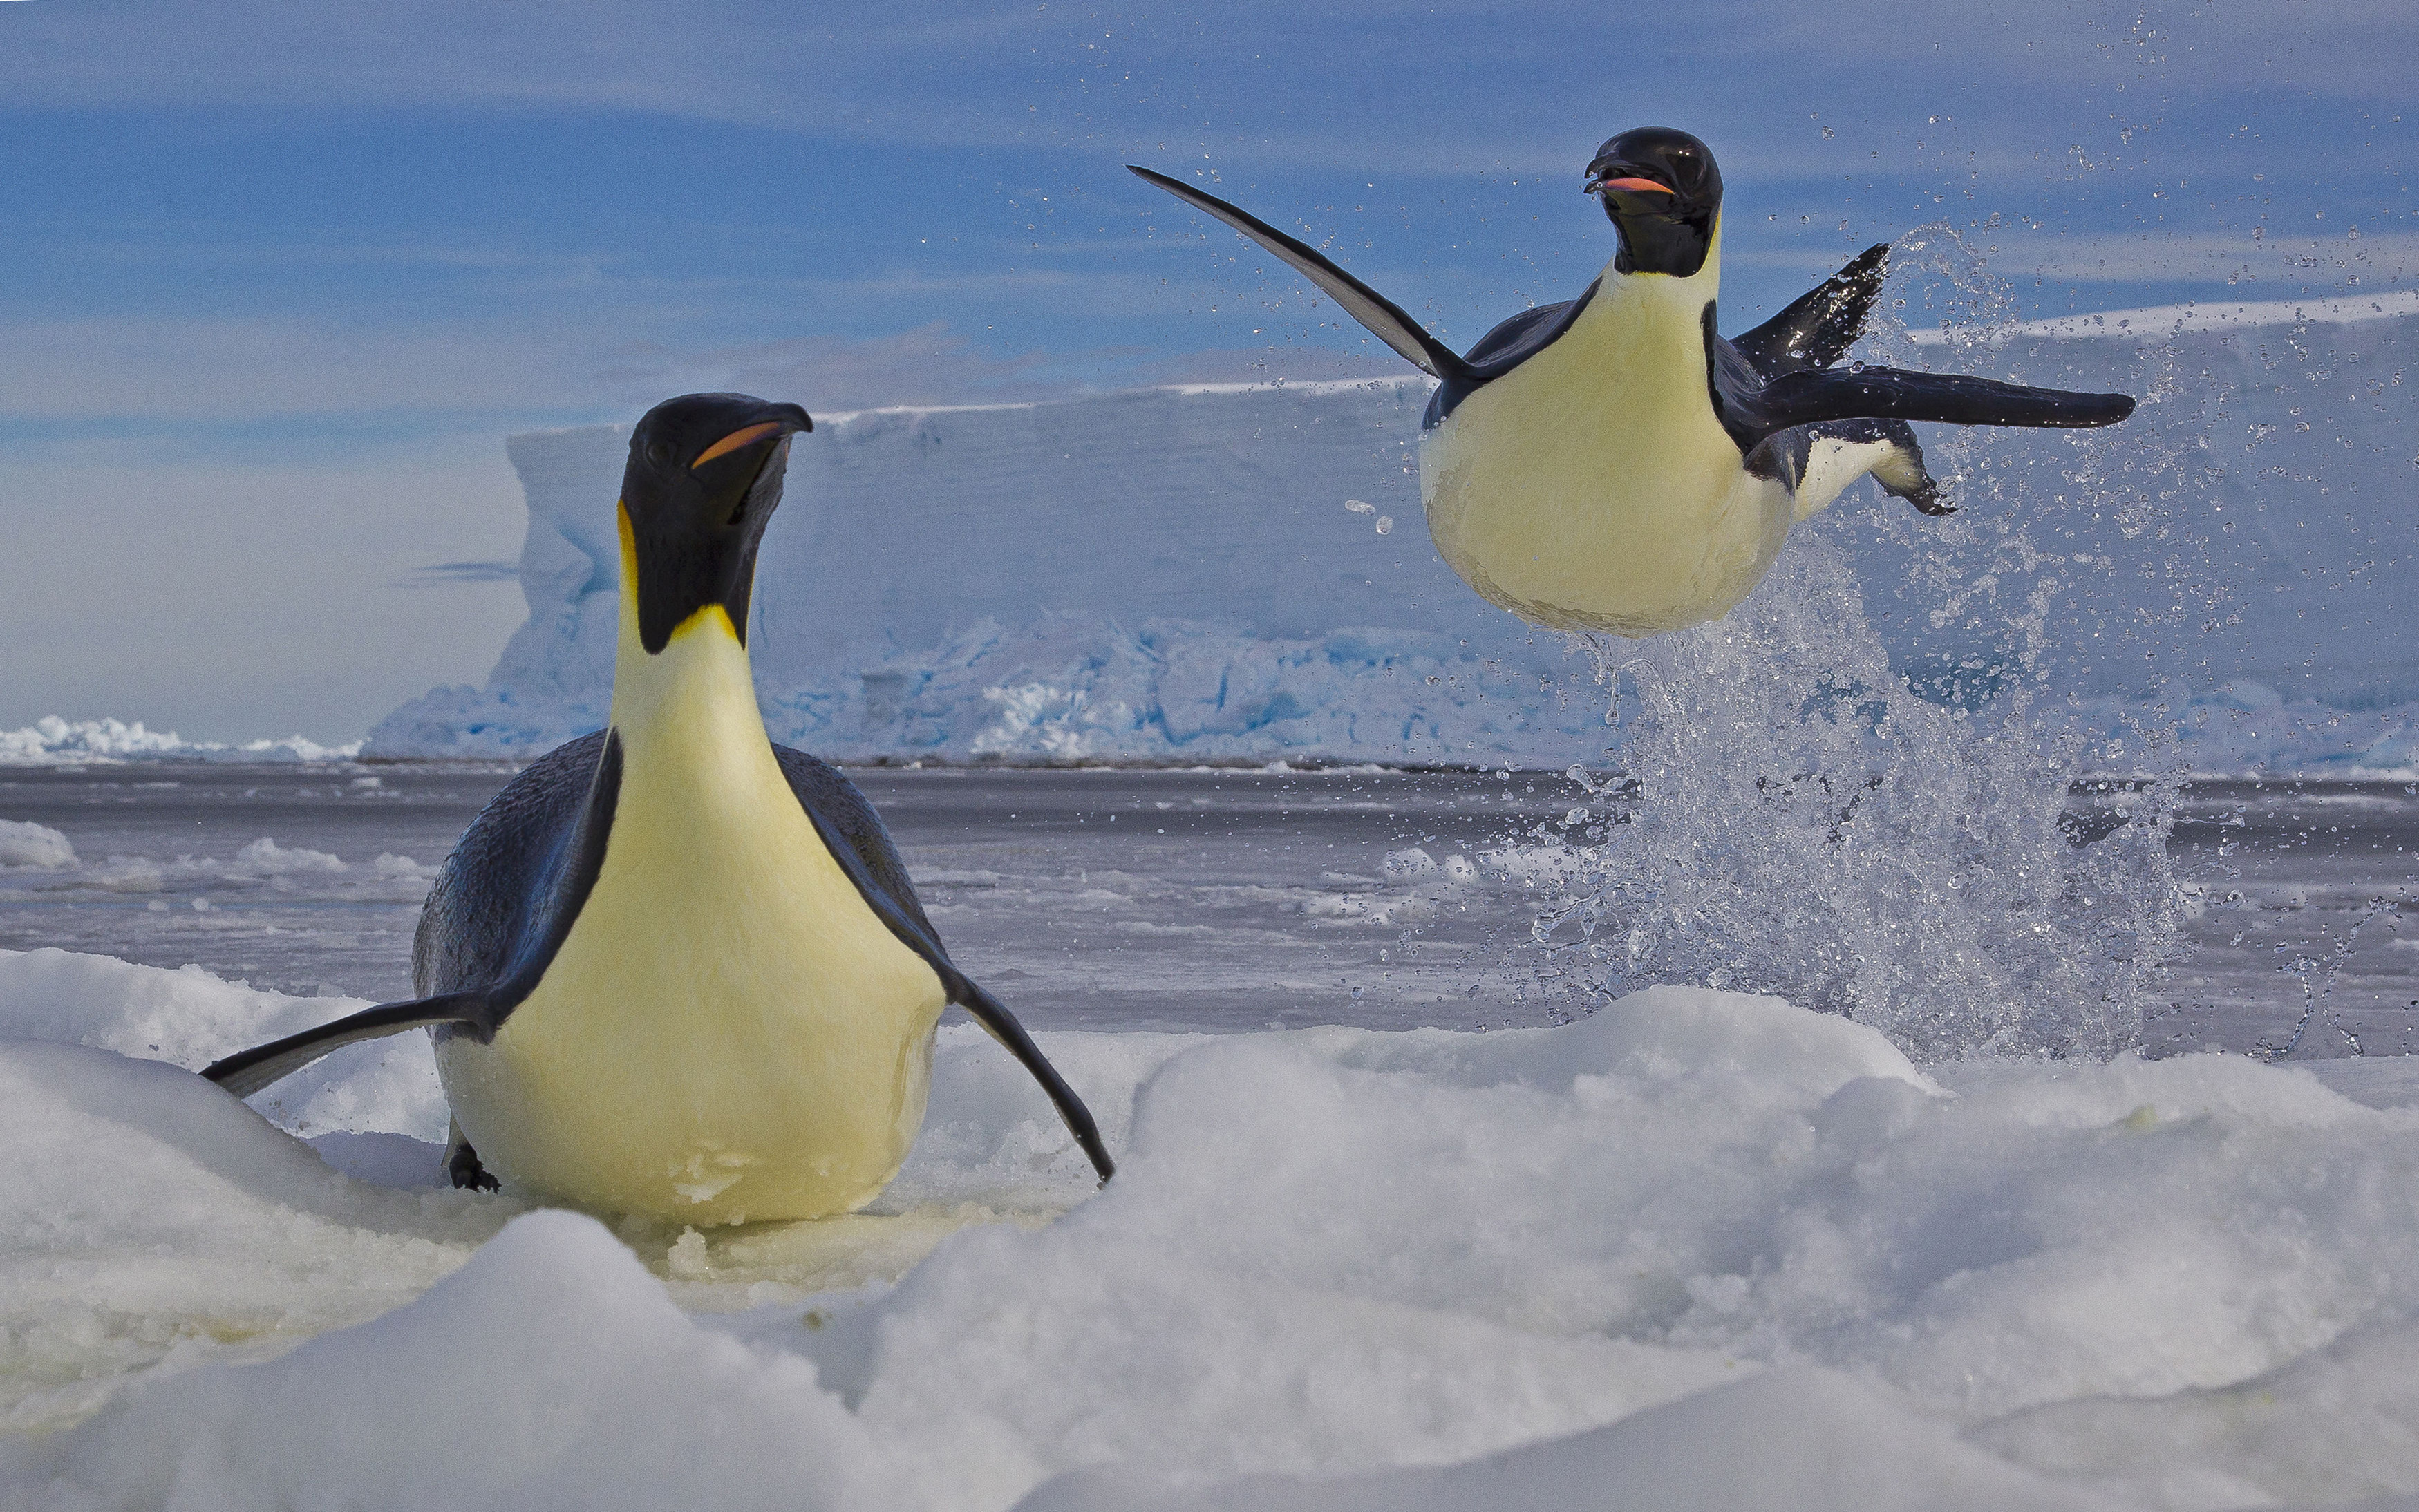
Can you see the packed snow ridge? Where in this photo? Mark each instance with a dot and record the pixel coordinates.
(1702, 1250)
(1241, 572)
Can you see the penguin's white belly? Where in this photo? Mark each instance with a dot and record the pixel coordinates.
(1592, 487)
(728, 1033)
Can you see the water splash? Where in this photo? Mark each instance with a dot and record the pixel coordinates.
(1791, 815)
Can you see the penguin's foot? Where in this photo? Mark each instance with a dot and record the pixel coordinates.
(1902, 473)
(462, 1165)
(1927, 499)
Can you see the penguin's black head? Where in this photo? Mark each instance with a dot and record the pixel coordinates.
(704, 478)
(1663, 195)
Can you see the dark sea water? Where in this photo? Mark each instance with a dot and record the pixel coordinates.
(1207, 900)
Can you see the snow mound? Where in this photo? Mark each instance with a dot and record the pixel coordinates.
(148, 1221)
(1701, 1249)
(1820, 1439)
(51, 741)
(27, 845)
(190, 1017)
(550, 1372)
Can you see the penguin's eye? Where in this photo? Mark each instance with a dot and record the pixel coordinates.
(658, 452)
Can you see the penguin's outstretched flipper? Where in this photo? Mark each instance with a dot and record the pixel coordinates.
(1384, 319)
(1820, 325)
(1807, 398)
(1002, 1026)
(249, 1070)
(523, 884)
(1751, 409)
(853, 835)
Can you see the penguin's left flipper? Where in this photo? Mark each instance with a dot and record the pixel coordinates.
(1810, 398)
(503, 905)
(852, 833)
(248, 1071)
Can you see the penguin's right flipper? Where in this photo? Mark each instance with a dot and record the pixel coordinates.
(503, 905)
(249, 1070)
(1384, 319)
(1820, 325)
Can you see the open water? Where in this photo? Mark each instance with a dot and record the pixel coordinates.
(1201, 900)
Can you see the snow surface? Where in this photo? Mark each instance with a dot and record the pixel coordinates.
(1701, 1249)
(1208, 573)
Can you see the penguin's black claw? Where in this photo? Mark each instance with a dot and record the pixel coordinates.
(1927, 500)
(462, 1165)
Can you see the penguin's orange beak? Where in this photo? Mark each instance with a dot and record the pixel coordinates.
(1634, 186)
(747, 436)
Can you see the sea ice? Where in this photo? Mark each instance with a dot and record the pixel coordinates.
(27, 844)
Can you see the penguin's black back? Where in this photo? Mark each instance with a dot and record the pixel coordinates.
(494, 896)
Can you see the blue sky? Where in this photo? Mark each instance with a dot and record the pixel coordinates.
(280, 277)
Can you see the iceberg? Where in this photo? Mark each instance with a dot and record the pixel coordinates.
(1225, 573)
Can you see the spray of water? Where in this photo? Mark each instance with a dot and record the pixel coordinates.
(1790, 814)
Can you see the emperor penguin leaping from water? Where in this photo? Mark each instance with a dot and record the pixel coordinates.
(1613, 462)
(673, 968)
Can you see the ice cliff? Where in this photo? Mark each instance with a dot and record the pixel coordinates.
(1241, 572)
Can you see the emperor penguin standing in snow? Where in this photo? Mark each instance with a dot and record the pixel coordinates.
(1612, 462)
(673, 968)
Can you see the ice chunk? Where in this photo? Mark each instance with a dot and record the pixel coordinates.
(51, 741)
(265, 858)
(28, 844)
(1411, 862)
